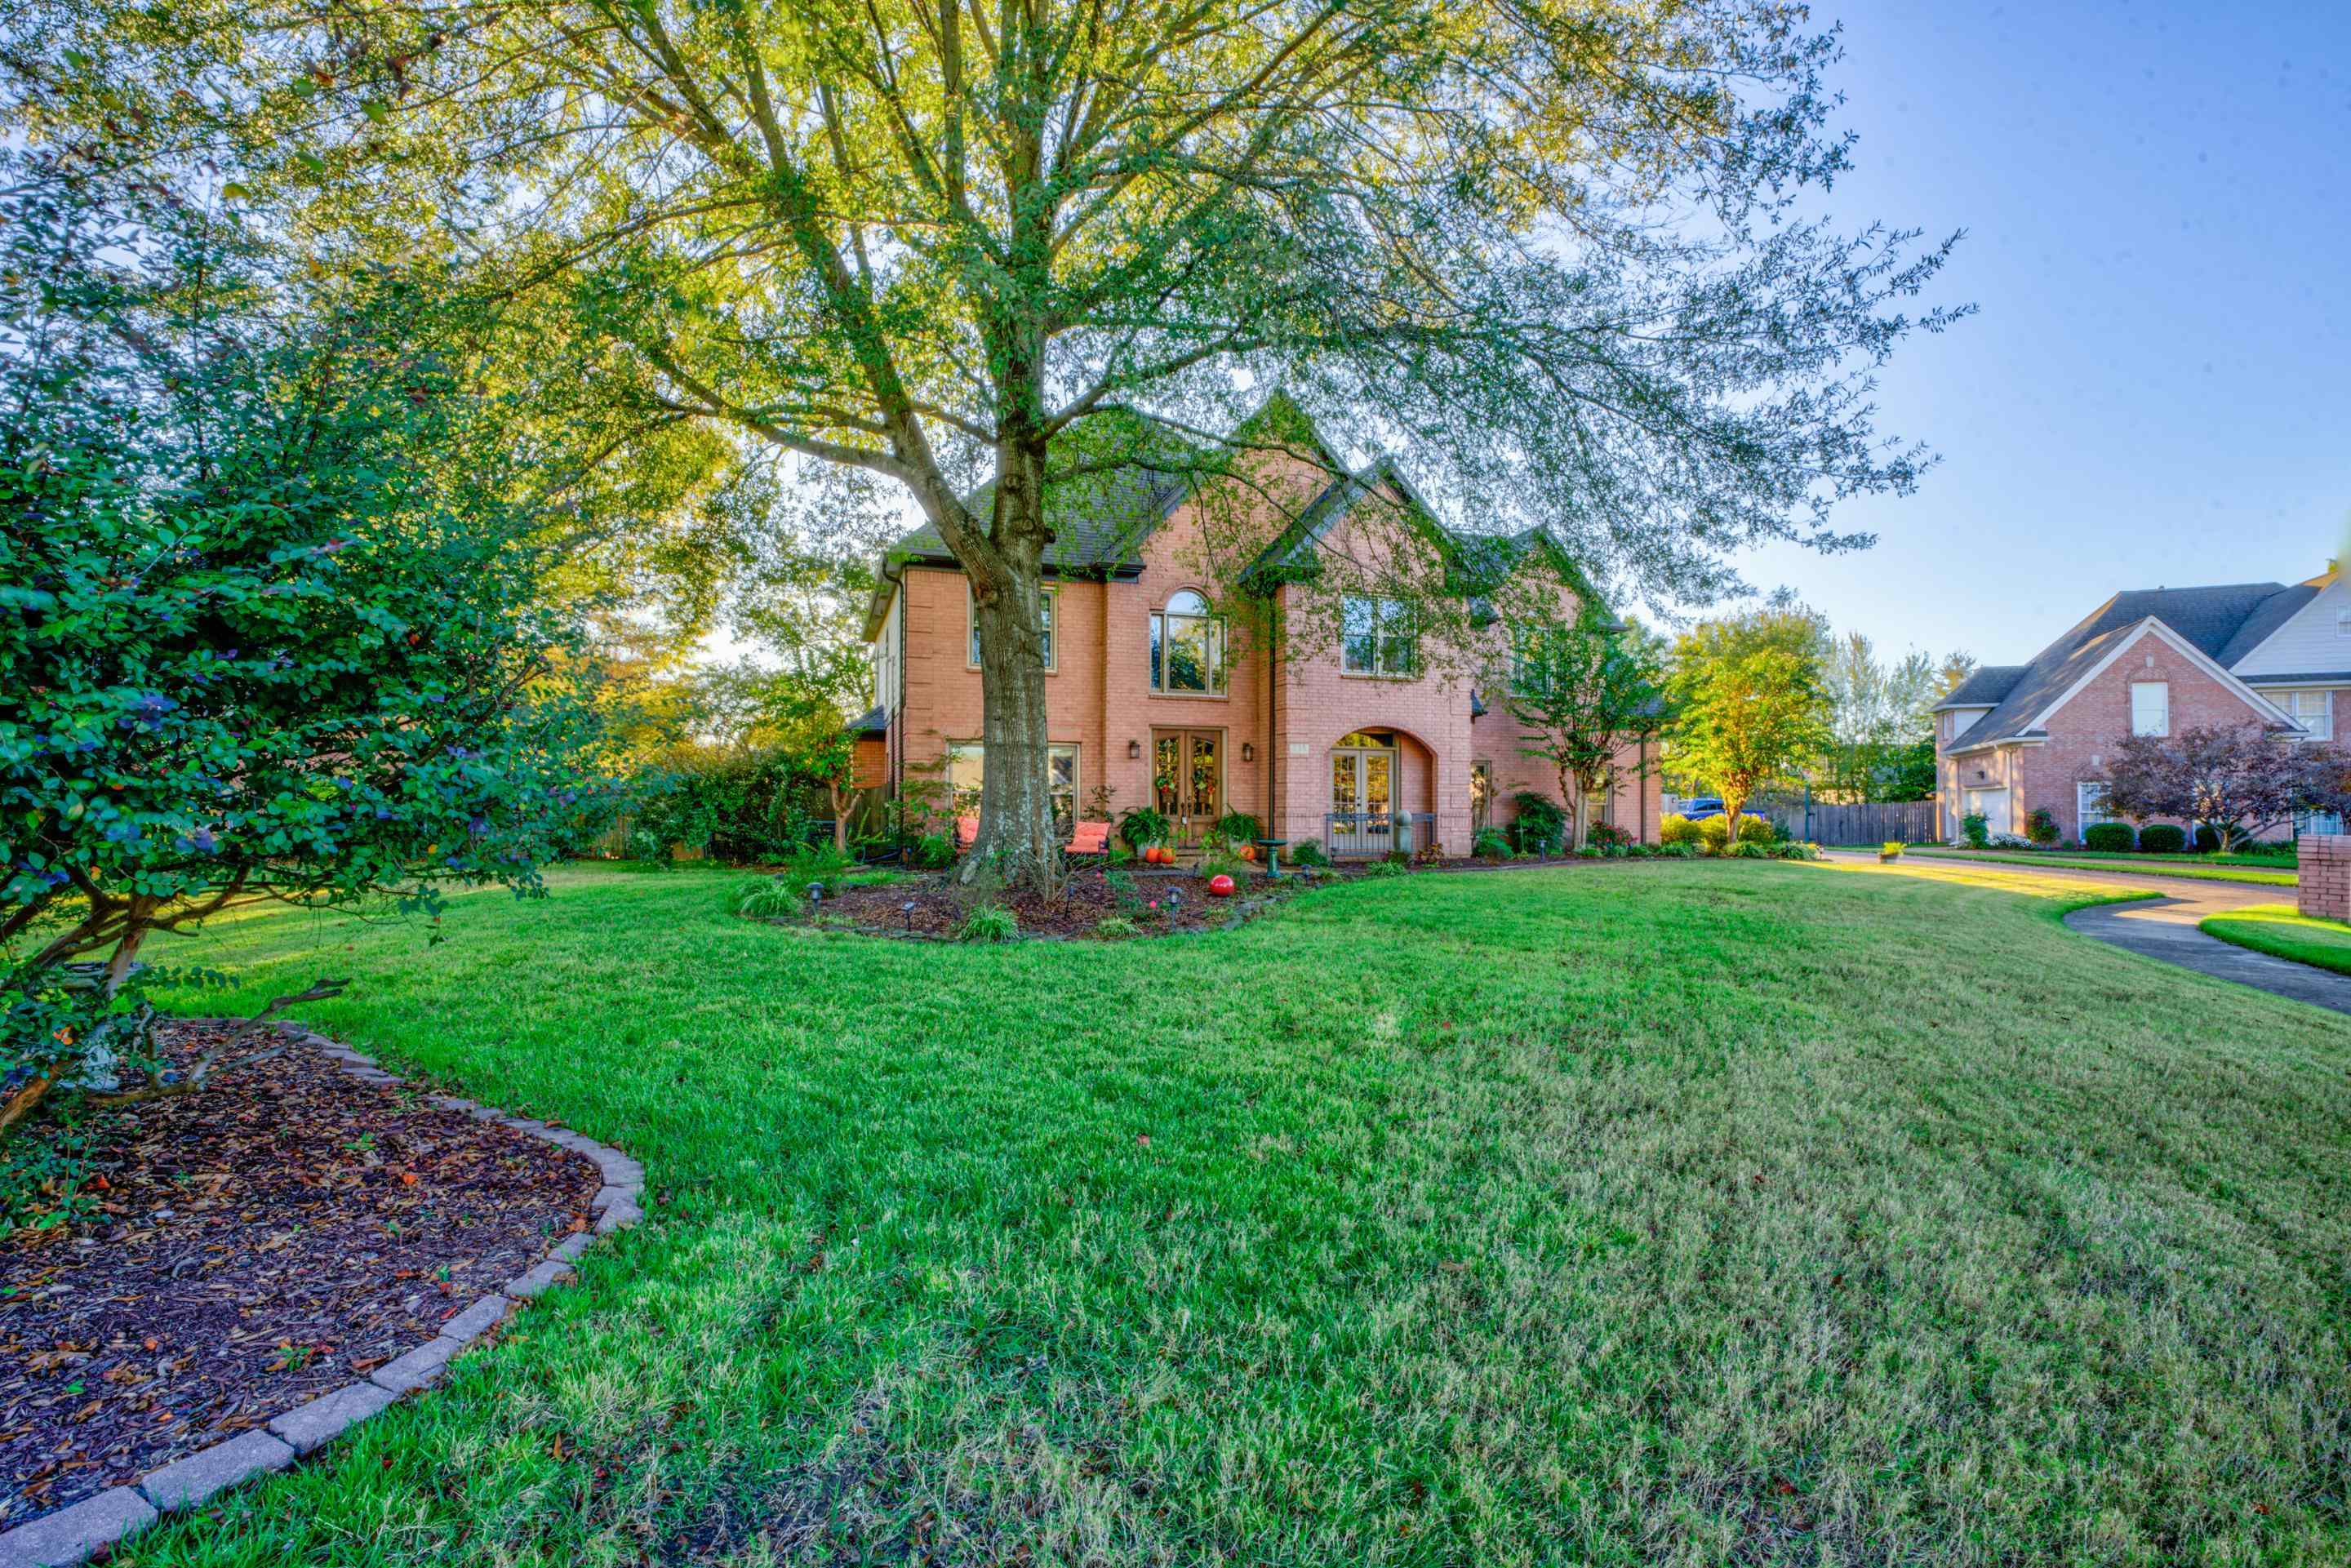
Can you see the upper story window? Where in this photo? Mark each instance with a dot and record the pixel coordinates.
(1529, 670)
(1963, 720)
(2343, 624)
(2150, 707)
(1378, 638)
(1187, 646)
(2311, 710)
(1050, 597)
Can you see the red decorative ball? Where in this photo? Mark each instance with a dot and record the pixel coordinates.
(1220, 886)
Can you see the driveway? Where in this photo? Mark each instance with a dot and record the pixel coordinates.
(2164, 925)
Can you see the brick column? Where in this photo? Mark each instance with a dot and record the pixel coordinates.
(2322, 869)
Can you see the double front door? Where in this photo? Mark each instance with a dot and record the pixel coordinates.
(1188, 779)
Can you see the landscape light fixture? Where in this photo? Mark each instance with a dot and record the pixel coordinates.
(907, 909)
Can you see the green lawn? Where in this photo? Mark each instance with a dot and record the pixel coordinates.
(2266, 870)
(2282, 929)
(1669, 1212)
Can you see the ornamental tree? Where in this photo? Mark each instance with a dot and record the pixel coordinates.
(1752, 701)
(935, 245)
(1584, 689)
(267, 627)
(2234, 778)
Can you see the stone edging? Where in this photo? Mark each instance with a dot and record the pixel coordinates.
(72, 1534)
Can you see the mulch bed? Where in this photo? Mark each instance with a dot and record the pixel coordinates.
(263, 1242)
(942, 905)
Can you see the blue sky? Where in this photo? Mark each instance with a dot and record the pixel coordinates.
(2158, 388)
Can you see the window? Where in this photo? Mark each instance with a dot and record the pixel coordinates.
(1378, 638)
(2311, 710)
(2150, 707)
(1529, 668)
(2090, 806)
(1187, 646)
(1052, 596)
(2343, 624)
(1481, 796)
(966, 770)
(1963, 720)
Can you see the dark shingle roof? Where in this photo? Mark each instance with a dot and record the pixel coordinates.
(2209, 619)
(1099, 524)
(1984, 688)
(2268, 615)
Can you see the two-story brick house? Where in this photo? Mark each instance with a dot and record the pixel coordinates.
(2015, 738)
(1351, 740)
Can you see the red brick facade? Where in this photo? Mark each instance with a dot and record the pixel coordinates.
(1276, 725)
(2323, 876)
(2080, 737)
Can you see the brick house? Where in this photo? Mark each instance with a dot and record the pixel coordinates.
(2014, 739)
(1357, 745)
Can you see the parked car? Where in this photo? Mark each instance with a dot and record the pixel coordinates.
(1699, 808)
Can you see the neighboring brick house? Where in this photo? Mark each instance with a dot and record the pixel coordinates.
(2014, 739)
(1151, 693)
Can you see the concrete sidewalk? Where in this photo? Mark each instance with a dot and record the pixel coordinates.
(2164, 924)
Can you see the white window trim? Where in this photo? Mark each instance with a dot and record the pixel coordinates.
(1221, 687)
(1380, 635)
(2324, 728)
(1052, 596)
(2163, 726)
(2089, 808)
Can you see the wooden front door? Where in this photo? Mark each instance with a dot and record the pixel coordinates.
(1187, 769)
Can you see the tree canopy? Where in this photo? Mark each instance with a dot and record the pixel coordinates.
(1752, 699)
(1554, 254)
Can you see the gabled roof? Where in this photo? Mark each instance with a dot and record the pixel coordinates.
(1983, 688)
(2268, 615)
(2063, 666)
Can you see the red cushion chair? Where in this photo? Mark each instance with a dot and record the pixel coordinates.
(1090, 839)
(966, 832)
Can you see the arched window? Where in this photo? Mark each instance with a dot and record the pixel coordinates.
(1187, 646)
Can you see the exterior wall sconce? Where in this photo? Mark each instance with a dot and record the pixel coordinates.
(1134, 750)
(1248, 752)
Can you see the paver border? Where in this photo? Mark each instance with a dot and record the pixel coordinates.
(71, 1535)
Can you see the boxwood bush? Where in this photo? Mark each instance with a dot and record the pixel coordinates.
(2110, 836)
(1677, 829)
(2162, 839)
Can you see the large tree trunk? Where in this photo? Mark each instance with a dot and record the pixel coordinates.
(1571, 791)
(1017, 839)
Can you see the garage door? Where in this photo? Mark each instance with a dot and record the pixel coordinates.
(1992, 806)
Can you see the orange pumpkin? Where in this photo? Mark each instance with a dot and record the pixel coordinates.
(1248, 852)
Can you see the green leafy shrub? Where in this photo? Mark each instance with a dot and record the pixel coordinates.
(2112, 837)
(1641, 852)
(1677, 829)
(1492, 844)
(934, 851)
(1714, 834)
(989, 923)
(1976, 827)
(1606, 834)
(1794, 849)
(1306, 853)
(1757, 830)
(1142, 825)
(1237, 828)
(1385, 868)
(2208, 839)
(1117, 928)
(2162, 839)
(273, 623)
(1680, 851)
(2041, 827)
(1219, 863)
(1749, 850)
(1540, 826)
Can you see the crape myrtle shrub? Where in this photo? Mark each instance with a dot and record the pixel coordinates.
(270, 623)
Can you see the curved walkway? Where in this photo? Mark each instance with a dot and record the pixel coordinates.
(2163, 924)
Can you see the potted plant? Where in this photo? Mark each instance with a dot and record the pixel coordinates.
(1891, 851)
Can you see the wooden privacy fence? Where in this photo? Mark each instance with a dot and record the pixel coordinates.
(1854, 821)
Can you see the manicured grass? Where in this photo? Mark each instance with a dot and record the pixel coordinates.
(1624, 1213)
(2197, 868)
(2281, 929)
